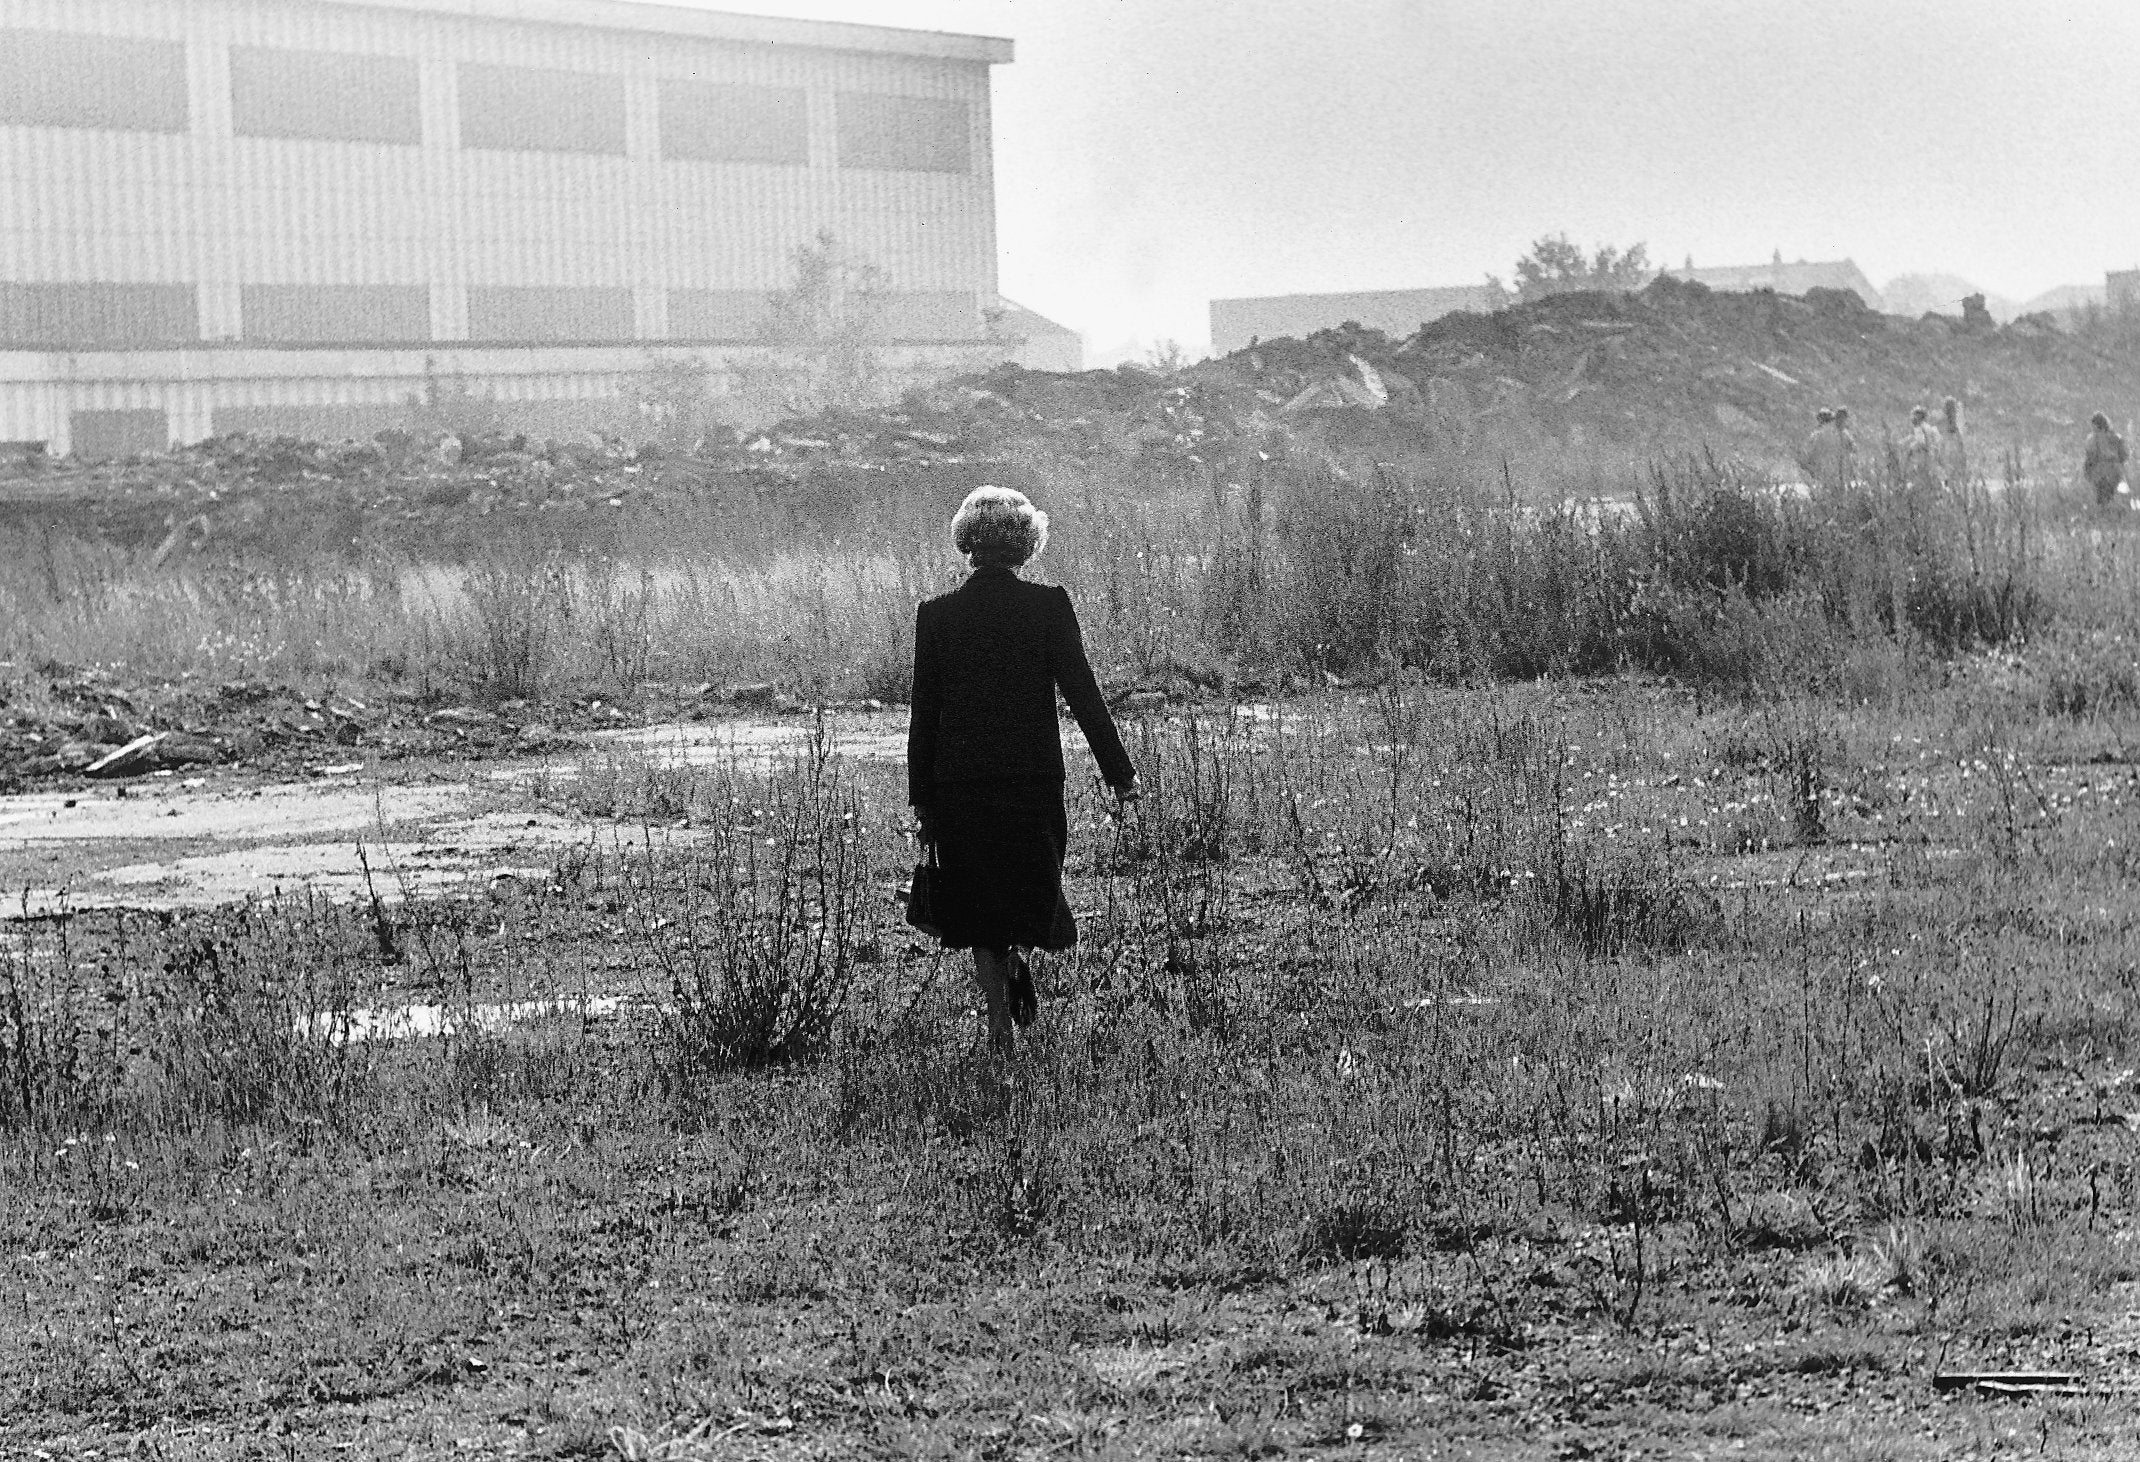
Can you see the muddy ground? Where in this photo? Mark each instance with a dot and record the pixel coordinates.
(384, 818)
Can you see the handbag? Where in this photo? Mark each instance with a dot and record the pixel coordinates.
(925, 892)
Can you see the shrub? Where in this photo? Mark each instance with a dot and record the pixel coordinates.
(757, 925)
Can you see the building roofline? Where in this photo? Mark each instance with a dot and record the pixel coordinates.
(636, 17)
(1336, 294)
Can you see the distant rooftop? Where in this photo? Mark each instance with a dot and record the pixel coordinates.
(1395, 312)
(1785, 278)
(715, 25)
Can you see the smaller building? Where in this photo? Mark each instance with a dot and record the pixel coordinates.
(1784, 278)
(1395, 312)
(1036, 342)
(2121, 289)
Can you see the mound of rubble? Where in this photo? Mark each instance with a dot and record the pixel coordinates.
(1574, 386)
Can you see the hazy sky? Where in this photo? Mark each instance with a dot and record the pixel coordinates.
(1155, 154)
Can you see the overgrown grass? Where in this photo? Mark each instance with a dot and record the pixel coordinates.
(1298, 568)
(1414, 1032)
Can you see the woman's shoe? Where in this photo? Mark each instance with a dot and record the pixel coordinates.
(1025, 1000)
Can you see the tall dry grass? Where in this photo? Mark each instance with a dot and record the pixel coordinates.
(1294, 569)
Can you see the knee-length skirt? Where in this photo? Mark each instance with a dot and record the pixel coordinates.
(1000, 846)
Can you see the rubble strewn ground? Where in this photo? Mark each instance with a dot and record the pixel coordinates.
(74, 725)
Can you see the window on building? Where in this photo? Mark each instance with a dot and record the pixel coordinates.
(326, 95)
(701, 122)
(514, 314)
(516, 109)
(100, 436)
(334, 314)
(718, 314)
(98, 316)
(932, 315)
(905, 133)
(65, 79)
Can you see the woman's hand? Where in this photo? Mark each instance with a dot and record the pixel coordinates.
(924, 822)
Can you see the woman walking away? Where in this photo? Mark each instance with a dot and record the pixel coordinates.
(985, 754)
(2104, 466)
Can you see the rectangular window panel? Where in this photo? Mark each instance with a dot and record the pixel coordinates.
(932, 315)
(527, 316)
(705, 123)
(516, 109)
(905, 133)
(718, 314)
(98, 316)
(99, 436)
(63, 79)
(325, 95)
(333, 314)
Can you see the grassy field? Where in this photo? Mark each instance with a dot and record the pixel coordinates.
(1686, 1044)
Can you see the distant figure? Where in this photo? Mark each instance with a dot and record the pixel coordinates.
(1822, 455)
(1953, 450)
(1850, 444)
(2104, 466)
(985, 752)
(1920, 451)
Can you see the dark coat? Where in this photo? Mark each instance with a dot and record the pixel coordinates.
(2105, 461)
(988, 659)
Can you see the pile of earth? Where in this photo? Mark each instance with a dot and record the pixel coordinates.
(1587, 384)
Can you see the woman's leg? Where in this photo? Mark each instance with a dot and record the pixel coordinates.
(1024, 998)
(992, 972)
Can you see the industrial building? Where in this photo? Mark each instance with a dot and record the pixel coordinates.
(302, 215)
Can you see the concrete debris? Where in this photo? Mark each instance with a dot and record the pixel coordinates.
(2010, 1383)
(135, 759)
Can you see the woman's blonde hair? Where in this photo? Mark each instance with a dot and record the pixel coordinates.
(997, 525)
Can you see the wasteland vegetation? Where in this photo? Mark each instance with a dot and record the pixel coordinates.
(1591, 970)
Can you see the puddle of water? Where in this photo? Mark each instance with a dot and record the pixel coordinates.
(425, 1022)
(458, 853)
(879, 736)
(293, 810)
(421, 839)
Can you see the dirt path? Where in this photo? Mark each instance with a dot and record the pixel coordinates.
(168, 843)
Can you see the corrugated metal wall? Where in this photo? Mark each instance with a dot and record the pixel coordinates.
(84, 201)
(259, 145)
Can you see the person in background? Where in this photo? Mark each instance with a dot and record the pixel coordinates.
(1920, 451)
(1850, 444)
(2104, 463)
(1822, 455)
(985, 755)
(1953, 449)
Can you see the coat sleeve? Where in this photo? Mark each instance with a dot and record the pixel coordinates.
(1073, 674)
(925, 713)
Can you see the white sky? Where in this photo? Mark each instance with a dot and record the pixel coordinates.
(1155, 154)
